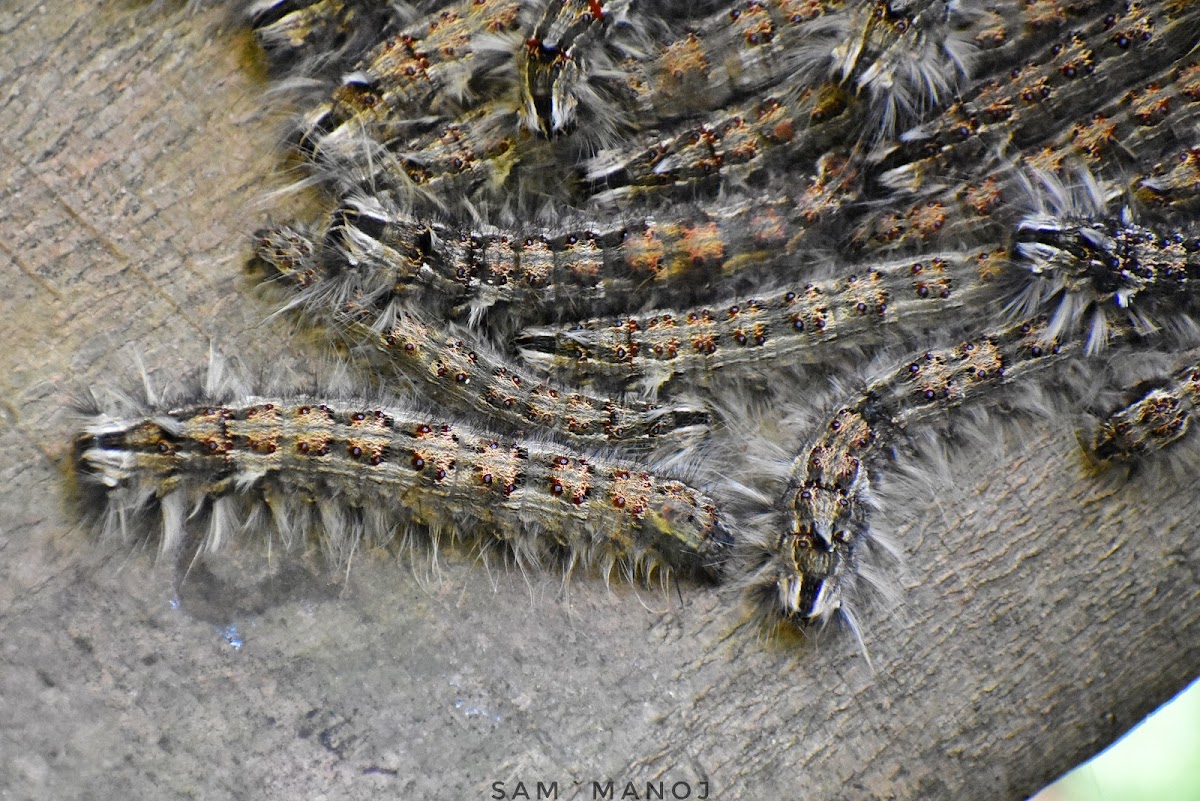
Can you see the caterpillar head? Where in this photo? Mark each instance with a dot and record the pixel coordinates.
(1149, 424)
(806, 569)
(1111, 271)
(144, 473)
(121, 469)
(1097, 269)
(121, 453)
(287, 254)
(821, 550)
(805, 557)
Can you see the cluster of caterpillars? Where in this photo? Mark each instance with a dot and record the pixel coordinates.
(587, 229)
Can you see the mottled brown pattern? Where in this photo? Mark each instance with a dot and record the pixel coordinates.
(791, 326)
(1156, 421)
(401, 466)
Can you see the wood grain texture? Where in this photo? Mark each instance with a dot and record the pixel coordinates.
(1044, 613)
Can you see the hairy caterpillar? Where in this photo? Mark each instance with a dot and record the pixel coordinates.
(967, 212)
(873, 47)
(548, 83)
(742, 144)
(447, 166)
(777, 328)
(903, 55)
(965, 209)
(451, 366)
(480, 151)
(479, 148)
(355, 472)
(467, 67)
(697, 153)
(834, 197)
(1155, 421)
(1133, 122)
(512, 277)
(321, 36)
(428, 68)
(437, 109)
(481, 155)
(1110, 53)
(1094, 264)
(1077, 261)
(749, 46)
(552, 64)
(733, 144)
(801, 558)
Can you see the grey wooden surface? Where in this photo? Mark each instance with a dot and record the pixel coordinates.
(1043, 613)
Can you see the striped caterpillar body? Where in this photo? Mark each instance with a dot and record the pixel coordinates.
(1001, 109)
(734, 144)
(428, 68)
(739, 50)
(451, 366)
(904, 56)
(508, 278)
(354, 472)
(1157, 420)
(479, 156)
(760, 48)
(802, 558)
(437, 110)
(984, 208)
(1133, 123)
(905, 60)
(418, 347)
(961, 212)
(966, 212)
(1078, 262)
(965, 209)
(777, 329)
(1112, 51)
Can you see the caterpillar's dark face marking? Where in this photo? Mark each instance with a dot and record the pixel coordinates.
(827, 524)
(828, 520)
